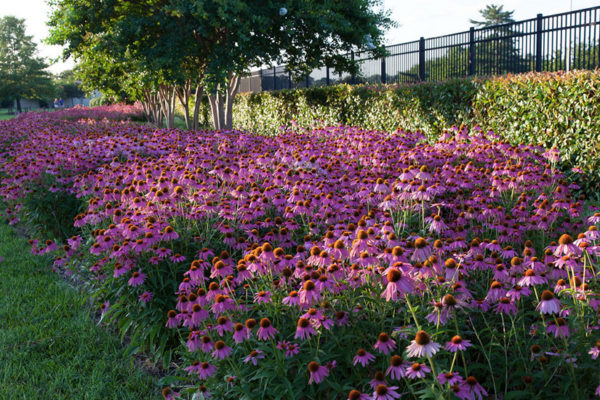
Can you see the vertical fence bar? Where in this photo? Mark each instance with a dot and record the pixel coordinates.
(327, 81)
(538, 44)
(353, 76)
(383, 73)
(422, 59)
(471, 51)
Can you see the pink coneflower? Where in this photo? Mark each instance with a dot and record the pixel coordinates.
(266, 331)
(422, 250)
(378, 379)
(566, 247)
(531, 279)
(595, 351)
(356, 395)
(384, 392)
(204, 370)
(145, 297)
(177, 258)
(452, 378)
(262, 297)
(169, 234)
(474, 388)
(254, 356)
(457, 343)
(422, 346)
(222, 351)
(137, 278)
(548, 303)
(304, 329)
(317, 372)
(309, 293)
(385, 344)
(397, 368)
(169, 394)
(240, 333)
(506, 306)
(172, 320)
(206, 344)
(397, 284)
(363, 357)
(292, 299)
(291, 349)
(224, 324)
(417, 370)
(558, 327)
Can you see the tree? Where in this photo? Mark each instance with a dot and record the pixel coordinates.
(22, 73)
(493, 15)
(213, 43)
(68, 86)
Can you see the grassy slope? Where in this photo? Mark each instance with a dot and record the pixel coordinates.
(4, 114)
(50, 348)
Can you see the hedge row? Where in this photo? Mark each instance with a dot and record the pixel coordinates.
(552, 109)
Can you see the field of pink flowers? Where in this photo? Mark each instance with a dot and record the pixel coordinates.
(328, 263)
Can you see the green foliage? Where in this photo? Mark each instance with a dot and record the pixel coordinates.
(50, 346)
(50, 211)
(22, 73)
(551, 109)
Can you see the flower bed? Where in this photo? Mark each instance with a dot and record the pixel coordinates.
(330, 263)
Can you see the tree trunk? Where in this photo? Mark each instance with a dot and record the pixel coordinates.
(197, 103)
(234, 82)
(167, 104)
(19, 105)
(222, 104)
(184, 94)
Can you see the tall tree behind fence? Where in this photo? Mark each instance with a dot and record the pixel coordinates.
(564, 41)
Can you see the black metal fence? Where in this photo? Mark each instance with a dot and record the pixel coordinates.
(570, 40)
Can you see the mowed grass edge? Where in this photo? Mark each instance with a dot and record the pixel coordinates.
(50, 347)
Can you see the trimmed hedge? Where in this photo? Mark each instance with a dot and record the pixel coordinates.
(551, 109)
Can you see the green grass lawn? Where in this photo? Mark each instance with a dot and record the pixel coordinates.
(5, 115)
(50, 347)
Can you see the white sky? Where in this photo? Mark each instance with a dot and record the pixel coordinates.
(416, 18)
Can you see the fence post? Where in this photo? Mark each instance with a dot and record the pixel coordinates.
(274, 78)
(383, 73)
(471, 51)
(327, 76)
(260, 75)
(422, 59)
(353, 76)
(538, 44)
(289, 80)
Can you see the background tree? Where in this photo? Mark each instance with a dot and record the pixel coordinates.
(492, 15)
(68, 86)
(22, 73)
(183, 44)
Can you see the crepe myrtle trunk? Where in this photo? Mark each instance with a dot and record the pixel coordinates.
(167, 104)
(18, 105)
(197, 103)
(221, 103)
(184, 92)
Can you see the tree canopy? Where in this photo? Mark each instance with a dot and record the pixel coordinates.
(22, 73)
(179, 45)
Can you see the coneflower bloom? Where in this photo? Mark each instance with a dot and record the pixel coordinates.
(222, 351)
(422, 250)
(548, 303)
(172, 320)
(137, 278)
(417, 370)
(397, 284)
(309, 293)
(317, 372)
(531, 279)
(595, 351)
(204, 370)
(397, 368)
(254, 356)
(356, 395)
(266, 331)
(558, 327)
(383, 392)
(452, 378)
(474, 388)
(457, 343)
(169, 394)
(262, 297)
(378, 379)
(304, 329)
(363, 357)
(385, 344)
(506, 306)
(422, 346)
(566, 247)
